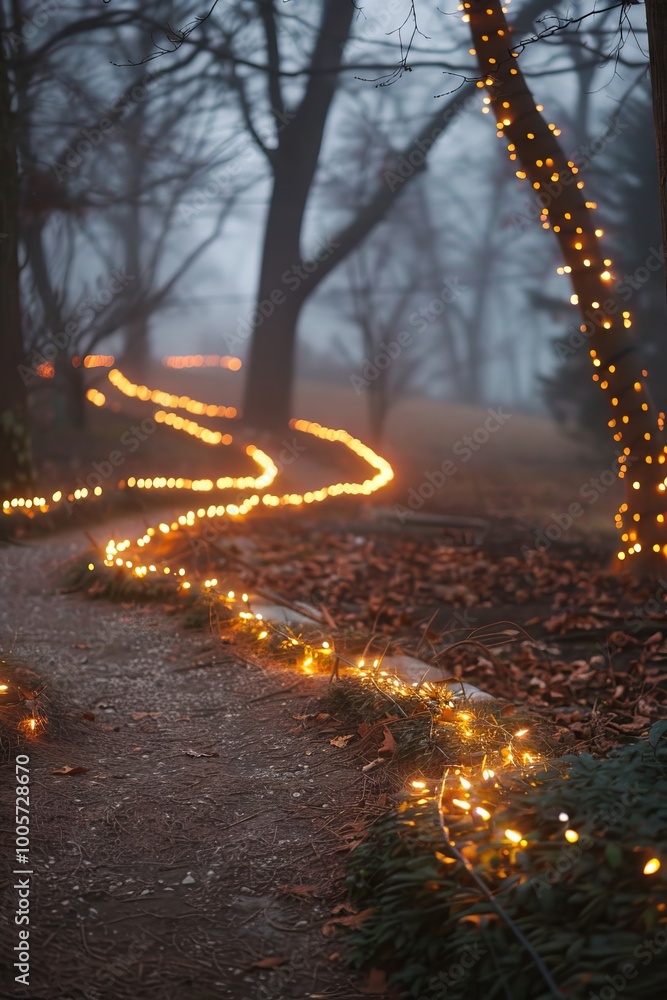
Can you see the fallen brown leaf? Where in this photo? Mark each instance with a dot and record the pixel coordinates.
(268, 963)
(377, 983)
(354, 920)
(652, 639)
(71, 770)
(300, 891)
(388, 744)
(342, 741)
(342, 908)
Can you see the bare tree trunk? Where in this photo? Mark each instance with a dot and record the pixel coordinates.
(268, 387)
(269, 379)
(136, 344)
(380, 404)
(74, 383)
(68, 380)
(656, 20)
(16, 471)
(617, 368)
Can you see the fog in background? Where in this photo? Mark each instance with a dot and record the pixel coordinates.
(460, 260)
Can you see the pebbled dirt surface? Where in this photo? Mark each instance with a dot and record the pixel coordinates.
(201, 852)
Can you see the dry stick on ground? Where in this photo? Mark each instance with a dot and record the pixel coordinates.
(425, 631)
(273, 694)
(502, 668)
(617, 367)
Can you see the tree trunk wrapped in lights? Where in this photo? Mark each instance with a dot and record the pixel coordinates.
(617, 367)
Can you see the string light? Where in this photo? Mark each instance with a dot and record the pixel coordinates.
(383, 471)
(96, 361)
(167, 399)
(565, 209)
(256, 484)
(96, 397)
(202, 361)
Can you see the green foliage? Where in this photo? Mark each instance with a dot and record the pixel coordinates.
(355, 702)
(198, 615)
(427, 730)
(587, 907)
(117, 585)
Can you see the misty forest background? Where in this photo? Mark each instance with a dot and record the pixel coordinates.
(149, 144)
(284, 731)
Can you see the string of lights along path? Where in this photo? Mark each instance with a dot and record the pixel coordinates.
(532, 143)
(130, 553)
(478, 793)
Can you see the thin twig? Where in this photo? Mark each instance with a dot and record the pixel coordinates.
(273, 694)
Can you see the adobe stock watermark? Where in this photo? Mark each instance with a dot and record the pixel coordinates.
(550, 190)
(650, 949)
(636, 618)
(291, 279)
(404, 165)
(32, 24)
(93, 137)
(590, 491)
(387, 353)
(623, 290)
(464, 449)
(131, 440)
(470, 955)
(86, 311)
(602, 820)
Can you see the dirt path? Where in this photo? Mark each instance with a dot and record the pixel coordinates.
(159, 873)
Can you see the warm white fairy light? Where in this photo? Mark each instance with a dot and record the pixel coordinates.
(568, 214)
